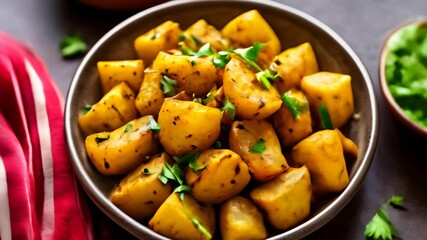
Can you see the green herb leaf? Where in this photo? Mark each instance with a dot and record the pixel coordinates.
(325, 118)
(267, 77)
(293, 104)
(153, 125)
(198, 100)
(193, 165)
(258, 147)
(184, 160)
(380, 226)
(128, 127)
(221, 59)
(72, 45)
(86, 109)
(197, 41)
(102, 137)
(168, 85)
(182, 188)
(229, 108)
(201, 228)
(250, 53)
(145, 171)
(163, 179)
(210, 95)
(217, 145)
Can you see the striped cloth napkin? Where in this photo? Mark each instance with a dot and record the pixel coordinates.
(39, 197)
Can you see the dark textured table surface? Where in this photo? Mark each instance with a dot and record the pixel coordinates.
(400, 164)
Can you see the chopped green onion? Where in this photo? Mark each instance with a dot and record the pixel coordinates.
(229, 108)
(200, 228)
(168, 85)
(258, 147)
(102, 137)
(128, 127)
(293, 104)
(325, 118)
(72, 45)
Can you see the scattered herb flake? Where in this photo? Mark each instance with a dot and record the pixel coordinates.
(325, 118)
(193, 165)
(128, 127)
(258, 147)
(168, 85)
(72, 45)
(86, 109)
(250, 53)
(201, 228)
(229, 108)
(293, 104)
(102, 137)
(210, 95)
(267, 77)
(196, 40)
(186, 159)
(221, 59)
(154, 125)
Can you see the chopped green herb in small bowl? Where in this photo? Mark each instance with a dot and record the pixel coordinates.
(403, 74)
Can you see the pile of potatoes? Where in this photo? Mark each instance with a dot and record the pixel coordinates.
(247, 190)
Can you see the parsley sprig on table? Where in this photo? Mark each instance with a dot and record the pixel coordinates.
(380, 226)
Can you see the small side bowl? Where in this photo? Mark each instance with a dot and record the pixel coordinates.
(389, 99)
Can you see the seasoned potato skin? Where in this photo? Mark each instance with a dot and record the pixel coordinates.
(241, 31)
(116, 108)
(323, 154)
(251, 99)
(295, 63)
(224, 176)
(263, 166)
(188, 127)
(173, 219)
(112, 73)
(192, 75)
(161, 38)
(150, 97)
(292, 129)
(240, 220)
(285, 199)
(139, 195)
(332, 89)
(124, 150)
(206, 33)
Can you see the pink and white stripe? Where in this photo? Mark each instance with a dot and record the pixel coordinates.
(38, 194)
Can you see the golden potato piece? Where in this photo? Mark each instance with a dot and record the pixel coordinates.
(251, 27)
(201, 32)
(188, 127)
(112, 73)
(323, 154)
(285, 199)
(192, 75)
(252, 100)
(122, 150)
(293, 64)
(184, 219)
(116, 108)
(293, 123)
(141, 193)
(267, 164)
(150, 97)
(334, 91)
(240, 219)
(161, 38)
(224, 175)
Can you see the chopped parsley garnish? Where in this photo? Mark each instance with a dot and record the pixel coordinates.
(205, 50)
(325, 117)
(200, 228)
(145, 171)
(380, 226)
(258, 147)
(174, 173)
(86, 109)
(293, 104)
(220, 59)
(250, 55)
(186, 159)
(128, 127)
(229, 108)
(153, 125)
(102, 137)
(193, 165)
(168, 85)
(266, 77)
(72, 45)
(210, 95)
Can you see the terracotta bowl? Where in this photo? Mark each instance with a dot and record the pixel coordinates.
(389, 99)
(293, 27)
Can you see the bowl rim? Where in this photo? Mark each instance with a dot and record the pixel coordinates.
(299, 231)
(388, 97)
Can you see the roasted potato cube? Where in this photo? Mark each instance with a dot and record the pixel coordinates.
(161, 38)
(293, 121)
(266, 164)
(122, 150)
(334, 91)
(116, 108)
(184, 219)
(252, 100)
(150, 96)
(285, 199)
(323, 154)
(293, 64)
(192, 75)
(201, 32)
(223, 174)
(188, 127)
(112, 73)
(240, 219)
(141, 193)
(251, 27)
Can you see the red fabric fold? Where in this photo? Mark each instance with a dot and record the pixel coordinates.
(43, 199)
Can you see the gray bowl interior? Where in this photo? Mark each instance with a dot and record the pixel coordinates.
(292, 27)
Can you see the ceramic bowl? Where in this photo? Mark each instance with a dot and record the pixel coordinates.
(293, 27)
